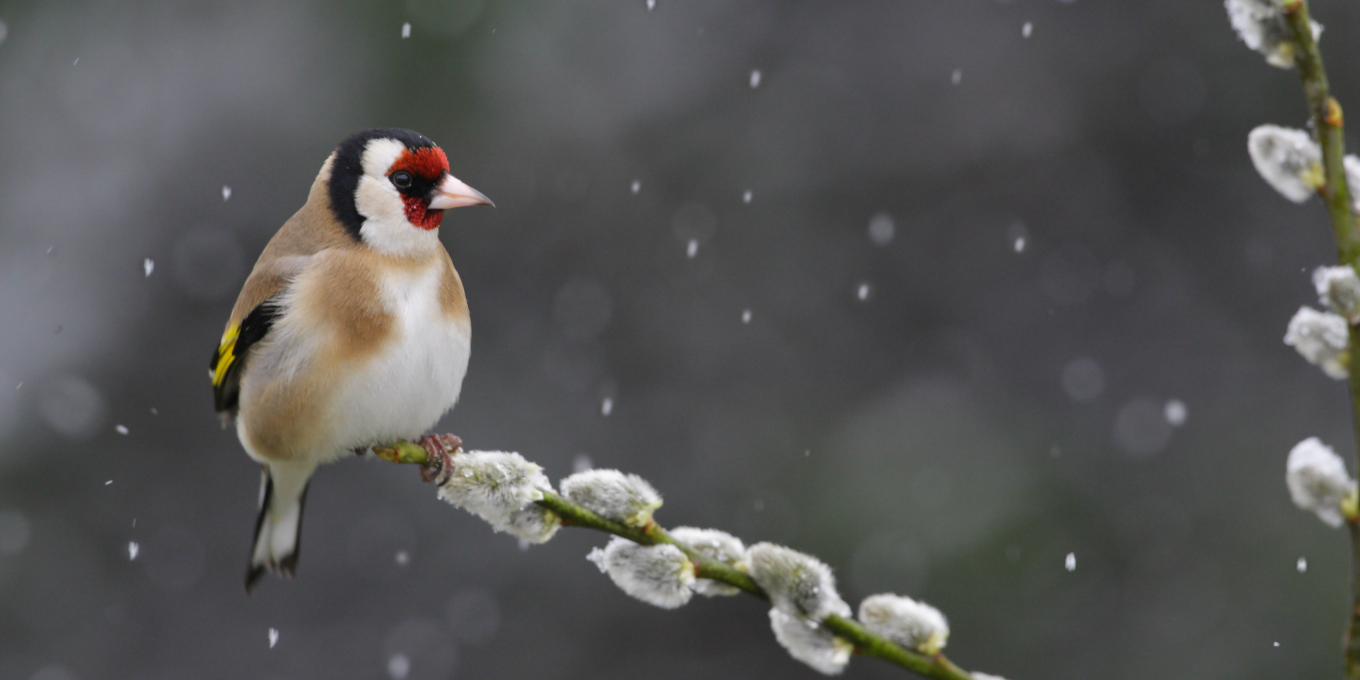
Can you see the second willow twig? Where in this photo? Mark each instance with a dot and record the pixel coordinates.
(1328, 126)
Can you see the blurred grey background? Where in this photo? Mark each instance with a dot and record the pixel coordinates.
(907, 285)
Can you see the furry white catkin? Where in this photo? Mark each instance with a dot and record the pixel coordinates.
(501, 488)
(914, 625)
(656, 574)
(1262, 27)
(1338, 288)
(1321, 338)
(1287, 159)
(613, 495)
(797, 583)
(1318, 481)
(717, 545)
(810, 643)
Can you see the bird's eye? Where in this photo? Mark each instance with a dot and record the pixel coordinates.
(402, 179)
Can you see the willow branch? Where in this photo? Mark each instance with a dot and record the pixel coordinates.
(1328, 126)
(866, 643)
(574, 515)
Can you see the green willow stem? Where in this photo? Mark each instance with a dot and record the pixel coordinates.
(573, 515)
(1327, 126)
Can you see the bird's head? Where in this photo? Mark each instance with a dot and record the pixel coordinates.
(390, 187)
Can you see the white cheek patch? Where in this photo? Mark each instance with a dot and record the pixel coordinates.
(379, 155)
(378, 201)
(385, 226)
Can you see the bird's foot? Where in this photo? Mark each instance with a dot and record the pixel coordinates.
(439, 465)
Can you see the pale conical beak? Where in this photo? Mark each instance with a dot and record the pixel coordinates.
(453, 193)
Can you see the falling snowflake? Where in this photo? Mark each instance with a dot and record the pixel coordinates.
(398, 666)
(637, 186)
(1071, 562)
(1027, 29)
(405, 30)
(120, 429)
(1302, 565)
(755, 79)
(957, 76)
(607, 406)
(1175, 412)
(746, 316)
(863, 292)
(581, 463)
(1018, 235)
(226, 193)
(881, 229)
(273, 637)
(148, 266)
(133, 549)
(692, 249)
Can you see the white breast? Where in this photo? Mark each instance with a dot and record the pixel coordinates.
(403, 391)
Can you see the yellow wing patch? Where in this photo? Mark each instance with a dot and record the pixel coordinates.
(225, 354)
(233, 353)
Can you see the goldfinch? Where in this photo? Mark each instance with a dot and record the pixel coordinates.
(352, 330)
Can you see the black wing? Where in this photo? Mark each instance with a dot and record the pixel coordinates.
(230, 358)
